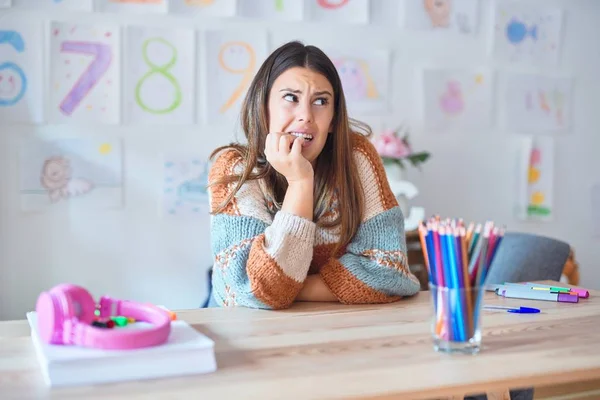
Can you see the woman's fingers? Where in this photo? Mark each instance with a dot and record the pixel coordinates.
(297, 146)
(285, 142)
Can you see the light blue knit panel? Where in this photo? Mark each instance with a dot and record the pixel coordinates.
(382, 233)
(232, 237)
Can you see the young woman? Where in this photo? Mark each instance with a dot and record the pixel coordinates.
(303, 211)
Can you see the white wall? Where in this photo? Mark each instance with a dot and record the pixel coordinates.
(134, 253)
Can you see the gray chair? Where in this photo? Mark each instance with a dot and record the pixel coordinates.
(525, 257)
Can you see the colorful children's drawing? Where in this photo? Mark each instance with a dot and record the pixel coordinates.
(364, 77)
(344, 11)
(185, 190)
(443, 15)
(523, 34)
(540, 180)
(205, 8)
(538, 103)
(457, 98)
(67, 5)
(133, 6)
(84, 73)
(289, 10)
(81, 173)
(21, 71)
(232, 61)
(160, 75)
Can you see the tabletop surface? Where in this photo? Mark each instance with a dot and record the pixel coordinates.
(325, 350)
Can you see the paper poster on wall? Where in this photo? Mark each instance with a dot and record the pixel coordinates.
(232, 60)
(595, 207)
(21, 74)
(365, 79)
(185, 180)
(84, 80)
(288, 10)
(70, 174)
(441, 15)
(456, 98)
(160, 75)
(536, 178)
(69, 5)
(132, 6)
(344, 11)
(527, 35)
(538, 103)
(204, 8)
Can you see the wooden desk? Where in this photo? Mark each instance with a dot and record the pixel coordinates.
(335, 351)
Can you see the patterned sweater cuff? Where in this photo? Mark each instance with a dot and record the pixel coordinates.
(295, 226)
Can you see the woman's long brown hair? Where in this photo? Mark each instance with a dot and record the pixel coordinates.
(335, 168)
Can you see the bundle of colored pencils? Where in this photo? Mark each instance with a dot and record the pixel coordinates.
(458, 260)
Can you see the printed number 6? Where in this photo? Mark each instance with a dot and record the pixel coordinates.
(16, 41)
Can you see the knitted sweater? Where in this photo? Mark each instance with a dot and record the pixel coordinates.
(262, 257)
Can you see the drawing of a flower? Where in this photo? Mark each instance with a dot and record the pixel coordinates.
(396, 149)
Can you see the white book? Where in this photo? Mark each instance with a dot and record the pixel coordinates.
(186, 352)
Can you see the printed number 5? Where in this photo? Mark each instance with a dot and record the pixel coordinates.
(91, 76)
(332, 4)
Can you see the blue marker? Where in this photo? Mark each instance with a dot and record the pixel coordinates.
(520, 310)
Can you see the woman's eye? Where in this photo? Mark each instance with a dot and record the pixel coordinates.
(290, 97)
(321, 101)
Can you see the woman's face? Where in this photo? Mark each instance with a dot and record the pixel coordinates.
(301, 103)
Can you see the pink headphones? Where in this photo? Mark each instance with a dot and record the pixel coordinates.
(66, 312)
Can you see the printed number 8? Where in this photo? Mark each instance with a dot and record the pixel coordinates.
(162, 70)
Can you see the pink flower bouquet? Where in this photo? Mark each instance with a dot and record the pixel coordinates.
(394, 148)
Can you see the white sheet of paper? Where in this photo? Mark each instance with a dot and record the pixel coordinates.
(527, 35)
(232, 60)
(365, 79)
(21, 74)
(537, 178)
(132, 6)
(71, 174)
(596, 210)
(204, 8)
(72, 5)
(184, 186)
(538, 103)
(84, 73)
(384, 12)
(344, 11)
(441, 15)
(288, 10)
(457, 99)
(160, 74)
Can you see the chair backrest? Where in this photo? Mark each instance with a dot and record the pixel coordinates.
(524, 257)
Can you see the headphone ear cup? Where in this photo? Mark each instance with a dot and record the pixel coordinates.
(50, 318)
(79, 303)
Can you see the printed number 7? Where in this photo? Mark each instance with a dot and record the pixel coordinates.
(91, 76)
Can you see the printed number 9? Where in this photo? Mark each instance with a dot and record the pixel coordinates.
(232, 49)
